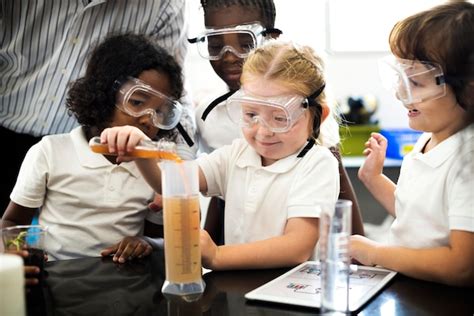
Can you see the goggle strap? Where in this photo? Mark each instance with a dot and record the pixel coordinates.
(118, 83)
(195, 40)
(440, 80)
(314, 95)
(306, 148)
(214, 103)
(185, 135)
(265, 32)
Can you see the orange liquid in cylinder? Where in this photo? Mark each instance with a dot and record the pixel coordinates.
(138, 152)
(181, 229)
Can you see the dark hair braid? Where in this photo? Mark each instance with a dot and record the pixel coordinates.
(266, 7)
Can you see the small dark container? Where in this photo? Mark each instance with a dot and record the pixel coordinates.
(36, 258)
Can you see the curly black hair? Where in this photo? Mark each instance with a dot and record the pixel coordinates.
(91, 99)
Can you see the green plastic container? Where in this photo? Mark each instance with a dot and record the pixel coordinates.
(353, 138)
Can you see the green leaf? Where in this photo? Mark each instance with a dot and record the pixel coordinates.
(18, 241)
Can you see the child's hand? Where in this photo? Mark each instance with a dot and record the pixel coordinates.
(122, 139)
(209, 250)
(375, 149)
(157, 204)
(30, 271)
(128, 248)
(363, 250)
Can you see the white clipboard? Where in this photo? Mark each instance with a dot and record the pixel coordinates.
(302, 286)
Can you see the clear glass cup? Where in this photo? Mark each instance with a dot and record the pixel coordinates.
(335, 230)
(180, 190)
(30, 238)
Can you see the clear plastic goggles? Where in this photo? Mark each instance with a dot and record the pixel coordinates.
(136, 98)
(278, 113)
(239, 40)
(412, 81)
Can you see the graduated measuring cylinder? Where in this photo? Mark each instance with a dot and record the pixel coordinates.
(180, 188)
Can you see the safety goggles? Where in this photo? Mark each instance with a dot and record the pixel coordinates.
(137, 99)
(239, 40)
(412, 81)
(278, 113)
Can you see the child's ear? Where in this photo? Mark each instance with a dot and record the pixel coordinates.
(325, 112)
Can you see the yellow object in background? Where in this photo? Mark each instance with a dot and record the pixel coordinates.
(354, 137)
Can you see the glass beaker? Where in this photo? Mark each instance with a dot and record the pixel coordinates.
(335, 230)
(27, 237)
(180, 190)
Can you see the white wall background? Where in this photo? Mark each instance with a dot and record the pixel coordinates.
(350, 35)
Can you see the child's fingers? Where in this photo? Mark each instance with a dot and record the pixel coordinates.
(122, 141)
(142, 250)
(32, 270)
(154, 207)
(108, 251)
(147, 252)
(377, 144)
(103, 136)
(31, 281)
(136, 252)
(136, 249)
(128, 137)
(127, 253)
(379, 138)
(375, 135)
(157, 204)
(108, 136)
(130, 248)
(117, 138)
(119, 251)
(135, 136)
(21, 253)
(373, 142)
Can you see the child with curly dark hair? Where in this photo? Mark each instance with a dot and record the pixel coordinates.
(91, 204)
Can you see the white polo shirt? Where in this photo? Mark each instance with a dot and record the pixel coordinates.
(260, 200)
(434, 193)
(87, 202)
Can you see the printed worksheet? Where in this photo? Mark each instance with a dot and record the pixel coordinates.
(302, 286)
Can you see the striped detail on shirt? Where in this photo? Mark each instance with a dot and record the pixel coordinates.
(44, 46)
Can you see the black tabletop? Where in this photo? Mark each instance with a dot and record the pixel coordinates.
(96, 286)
